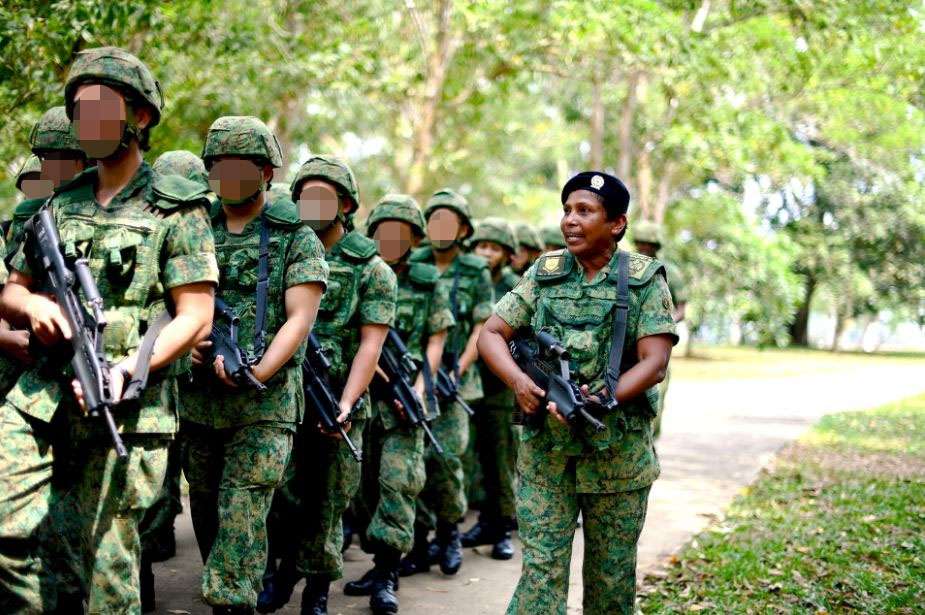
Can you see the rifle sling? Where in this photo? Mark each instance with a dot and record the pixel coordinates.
(454, 307)
(263, 288)
(139, 379)
(618, 335)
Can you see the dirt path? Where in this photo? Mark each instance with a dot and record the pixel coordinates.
(716, 437)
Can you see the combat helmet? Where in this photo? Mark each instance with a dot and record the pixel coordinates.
(330, 169)
(119, 69)
(646, 231)
(497, 230)
(401, 207)
(552, 237)
(32, 165)
(241, 135)
(528, 237)
(54, 133)
(183, 163)
(450, 199)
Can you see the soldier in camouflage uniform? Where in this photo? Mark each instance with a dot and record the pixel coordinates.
(28, 179)
(356, 313)
(552, 238)
(150, 250)
(529, 247)
(393, 468)
(238, 439)
(492, 427)
(604, 476)
(648, 239)
(158, 542)
(443, 501)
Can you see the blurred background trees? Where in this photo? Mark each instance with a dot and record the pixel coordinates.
(780, 141)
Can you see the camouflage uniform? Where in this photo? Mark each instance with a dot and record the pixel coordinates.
(324, 477)
(393, 469)
(238, 441)
(604, 476)
(152, 237)
(157, 531)
(651, 232)
(494, 433)
(444, 497)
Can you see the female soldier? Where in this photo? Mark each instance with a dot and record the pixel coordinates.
(605, 476)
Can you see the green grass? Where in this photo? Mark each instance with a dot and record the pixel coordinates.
(722, 362)
(837, 525)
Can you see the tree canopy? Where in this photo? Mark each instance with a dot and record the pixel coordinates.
(781, 139)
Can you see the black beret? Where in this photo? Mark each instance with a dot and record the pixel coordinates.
(612, 190)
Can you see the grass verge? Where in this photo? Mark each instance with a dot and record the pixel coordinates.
(836, 525)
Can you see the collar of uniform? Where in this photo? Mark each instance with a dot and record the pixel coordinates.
(601, 275)
(140, 181)
(251, 227)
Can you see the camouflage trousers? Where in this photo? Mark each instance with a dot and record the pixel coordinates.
(159, 518)
(496, 446)
(547, 511)
(444, 494)
(27, 584)
(232, 474)
(90, 500)
(392, 478)
(321, 481)
(662, 392)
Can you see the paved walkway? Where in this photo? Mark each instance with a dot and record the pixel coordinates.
(717, 435)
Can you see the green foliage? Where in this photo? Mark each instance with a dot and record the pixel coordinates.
(506, 100)
(831, 529)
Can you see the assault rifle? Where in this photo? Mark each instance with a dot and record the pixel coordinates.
(65, 279)
(545, 360)
(224, 338)
(396, 363)
(319, 395)
(448, 390)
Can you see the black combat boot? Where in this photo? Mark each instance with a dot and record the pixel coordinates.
(504, 548)
(383, 600)
(484, 532)
(450, 547)
(278, 585)
(362, 586)
(146, 588)
(418, 559)
(347, 528)
(315, 595)
(164, 546)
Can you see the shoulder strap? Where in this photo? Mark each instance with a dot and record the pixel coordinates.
(618, 336)
(263, 288)
(454, 307)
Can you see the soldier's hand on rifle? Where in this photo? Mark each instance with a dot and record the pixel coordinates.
(46, 320)
(15, 344)
(554, 410)
(528, 394)
(116, 386)
(401, 409)
(199, 351)
(219, 367)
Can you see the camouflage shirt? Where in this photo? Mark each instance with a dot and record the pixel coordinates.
(554, 295)
(152, 237)
(473, 305)
(491, 384)
(422, 310)
(361, 291)
(296, 256)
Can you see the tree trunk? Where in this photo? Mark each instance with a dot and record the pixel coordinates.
(840, 318)
(799, 329)
(643, 194)
(597, 125)
(625, 127)
(424, 118)
(663, 193)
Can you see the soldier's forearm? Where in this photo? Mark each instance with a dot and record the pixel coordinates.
(364, 363)
(471, 352)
